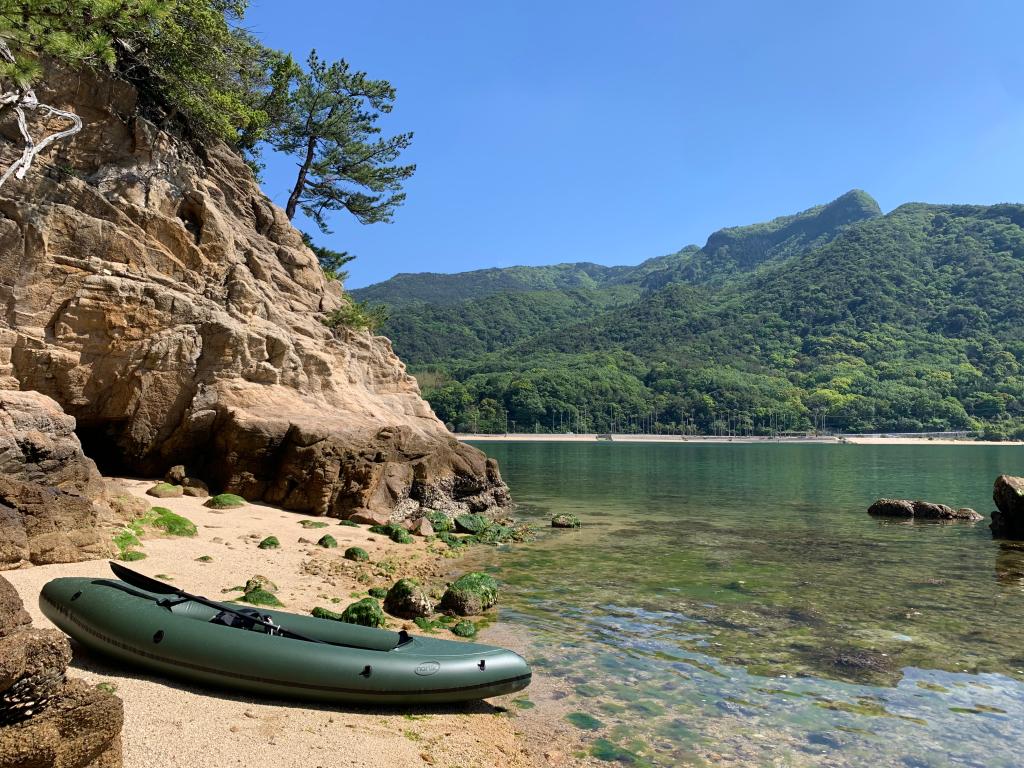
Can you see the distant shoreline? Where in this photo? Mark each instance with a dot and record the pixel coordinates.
(703, 439)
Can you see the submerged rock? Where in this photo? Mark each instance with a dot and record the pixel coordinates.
(407, 600)
(470, 594)
(1008, 519)
(922, 510)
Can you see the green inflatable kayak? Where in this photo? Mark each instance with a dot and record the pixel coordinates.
(208, 642)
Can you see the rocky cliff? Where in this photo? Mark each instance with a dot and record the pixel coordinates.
(153, 291)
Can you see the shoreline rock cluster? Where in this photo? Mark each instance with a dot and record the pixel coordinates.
(921, 510)
(46, 718)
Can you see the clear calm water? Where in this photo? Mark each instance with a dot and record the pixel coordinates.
(735, 604)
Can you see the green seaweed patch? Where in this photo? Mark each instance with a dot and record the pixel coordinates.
(349, 523)
(357, 554)
(565, 520)
(472, 523)
(378, 592)
(131, 557)
(523, 703)
(426, 625)
(401, 536)
(270, 542)
(978, 709)
(260, 597)
(225, 501)
(170, 522)
(610, 752)
(312, 523)
(584, 721)
(439, 521)
(163, 577)
(366, 612)
(327, 542)
(204, 559)
(464, 628)
(110, 688)
(451, 540)
(396, 533)
(323, 613)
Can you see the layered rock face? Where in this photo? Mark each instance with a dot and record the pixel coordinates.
(172, 310)
(46, 719)
(53, 502)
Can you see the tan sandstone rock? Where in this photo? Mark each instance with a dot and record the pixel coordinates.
(45, 719)
(169, 307)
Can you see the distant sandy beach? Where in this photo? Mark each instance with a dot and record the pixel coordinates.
(701, 439)
(171, 723)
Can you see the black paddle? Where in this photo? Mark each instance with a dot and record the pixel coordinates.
(129, 576)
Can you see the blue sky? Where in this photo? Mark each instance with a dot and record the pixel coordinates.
(614, 132)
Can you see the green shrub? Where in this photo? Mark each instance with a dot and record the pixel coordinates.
(378, 592)
(358, 315)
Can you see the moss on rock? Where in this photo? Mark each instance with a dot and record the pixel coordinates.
(366, 612)
(357, 554)
(270, 542)
(471, 594)
(165, 491)
(224, 501)
(327, 542)
(471, 523)
(439, 521)
(312, 524)
(260, 597)
(565, 520)
(464, 628)
(407, 599)
(170, 522)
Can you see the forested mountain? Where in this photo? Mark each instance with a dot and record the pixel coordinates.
(908, 321)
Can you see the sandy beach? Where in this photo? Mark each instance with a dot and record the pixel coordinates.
(702, 439)
(171, 723)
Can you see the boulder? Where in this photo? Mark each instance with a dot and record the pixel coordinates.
(45, 719)
(470, 594)
(366, 517)
(1008, 519)
(193, 486)
(165, 491)
(156, 294)
(420, 527)
(921, 510)
(176, 475)
(407, 600)
(53, 502)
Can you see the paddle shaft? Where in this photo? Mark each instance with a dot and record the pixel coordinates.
(155, 585)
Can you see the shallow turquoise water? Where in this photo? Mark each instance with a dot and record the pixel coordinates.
(734, 604)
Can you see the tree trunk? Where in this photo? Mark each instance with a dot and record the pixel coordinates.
(300, 181)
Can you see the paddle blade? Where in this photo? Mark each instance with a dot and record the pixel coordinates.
(129, 576)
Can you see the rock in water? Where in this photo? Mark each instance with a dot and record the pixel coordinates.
(157, 295)
(1008, 519)
(921, 510)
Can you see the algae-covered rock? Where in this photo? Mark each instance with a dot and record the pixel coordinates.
(407, 599)
(204, 559)
(394, 532)
(270, 542)
(453, 541)
(170, 522)
(349, 523)
(439, 521)
(327, 542)
(357, 554)
(225, 501)
(366, 612)
(323, 613)
(260, 597)
(260, 582)
(471, 523)
(165, 491)
(401, 536)
(312, 524)
(464, 628)
(565, 520)
(471, 594)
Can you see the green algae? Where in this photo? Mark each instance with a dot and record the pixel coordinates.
(366, 612)
(357, 554)
(470, 594)
(225, 501)
(270, 542)
(170, 522)
(584, 721)
(327, 542)
(262, 597)
(472, 523)
(464, 628)
(312, 524)
(378, 592)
